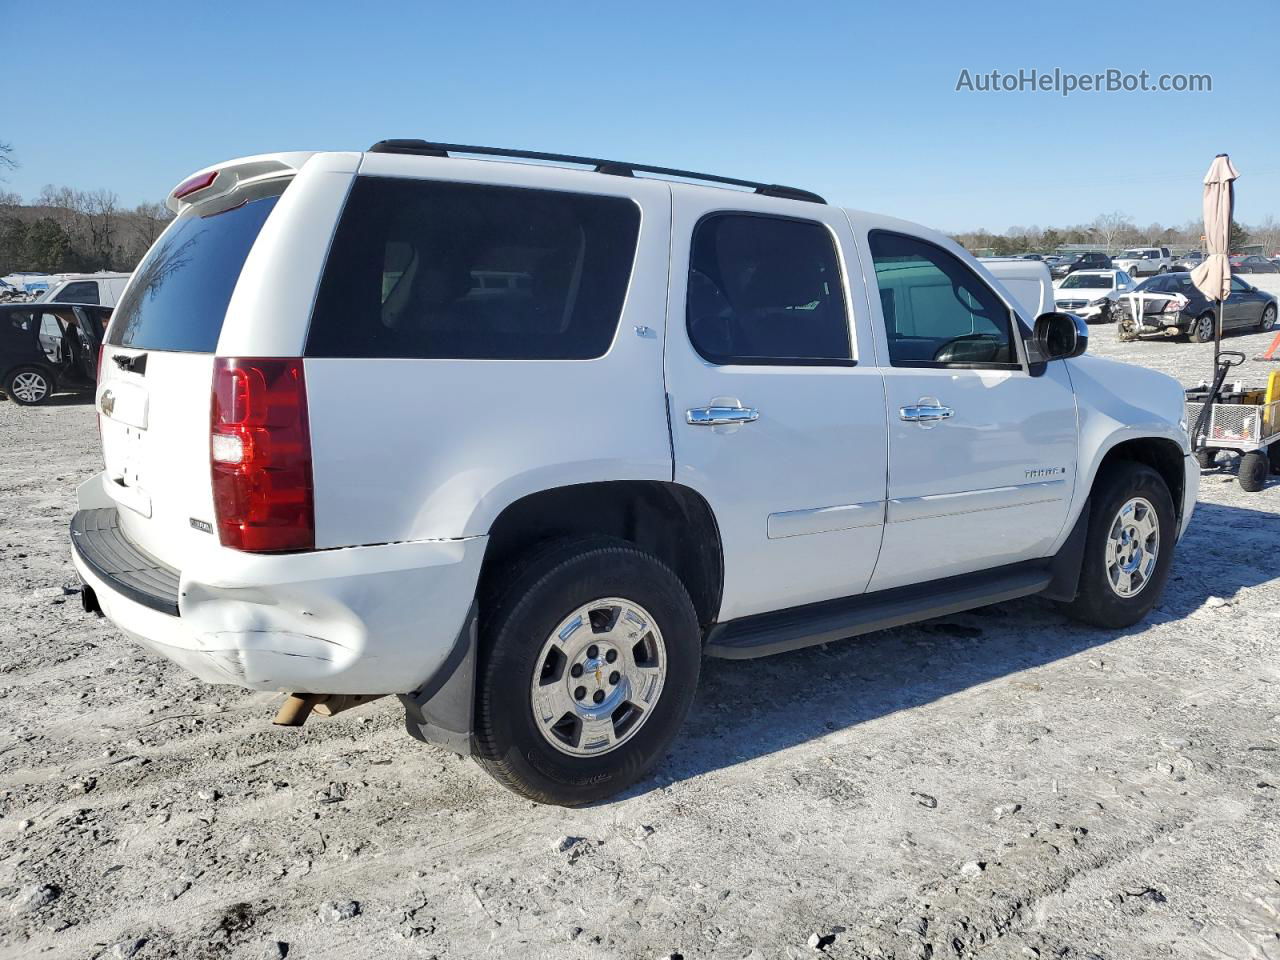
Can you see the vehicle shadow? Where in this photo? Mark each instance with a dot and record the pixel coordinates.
(750, 708)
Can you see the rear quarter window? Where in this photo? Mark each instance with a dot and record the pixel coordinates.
(437, 270)
(181, 289)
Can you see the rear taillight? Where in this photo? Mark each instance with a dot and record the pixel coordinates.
(260, 454)
(1175, 304)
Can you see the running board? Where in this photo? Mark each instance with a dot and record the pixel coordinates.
(777, 632)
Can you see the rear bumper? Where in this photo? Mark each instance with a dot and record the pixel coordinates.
(377, 619)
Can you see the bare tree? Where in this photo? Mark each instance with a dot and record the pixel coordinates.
(7, 162)
(1108, 226)
(99, 210)
(150, 219)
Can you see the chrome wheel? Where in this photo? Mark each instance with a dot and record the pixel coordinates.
(598, 677)
(1133, 546)
(30, 386)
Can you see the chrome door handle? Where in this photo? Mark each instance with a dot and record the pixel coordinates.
(926, 411)
(720, 416)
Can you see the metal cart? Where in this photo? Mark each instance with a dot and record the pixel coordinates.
(1244, 420)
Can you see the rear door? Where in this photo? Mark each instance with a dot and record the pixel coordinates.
(153, 391)
(982, 453)
(776, 405)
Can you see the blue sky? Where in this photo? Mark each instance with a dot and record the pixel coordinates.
(854, 100)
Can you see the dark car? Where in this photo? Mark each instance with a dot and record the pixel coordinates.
(45, 347)
(1172, 305)
(1253, 264)
(1083, 261)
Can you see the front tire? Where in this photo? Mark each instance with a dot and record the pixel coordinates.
(589, 662)
(1206, 457)
(1129, 546)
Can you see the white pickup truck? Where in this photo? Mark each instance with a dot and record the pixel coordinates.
(523, 442)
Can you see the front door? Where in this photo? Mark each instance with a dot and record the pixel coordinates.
(776, 405)
(982, 453)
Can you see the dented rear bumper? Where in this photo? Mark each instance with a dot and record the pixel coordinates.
(360, 620)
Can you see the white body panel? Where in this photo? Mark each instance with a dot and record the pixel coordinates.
(798, 494)
(155, 445)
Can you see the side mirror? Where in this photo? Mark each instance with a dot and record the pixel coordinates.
(1059, 336)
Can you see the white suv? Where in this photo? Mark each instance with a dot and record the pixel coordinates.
(1144, 261)
(521, 443)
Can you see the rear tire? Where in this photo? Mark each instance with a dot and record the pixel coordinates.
(1206, 458)
(1202, 329)
(1131, 519)
(1253, 470)
(28, 386)
(1268, 319)
(538, 729)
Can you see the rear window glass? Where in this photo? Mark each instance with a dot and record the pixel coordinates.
(181, 288)
(435, 270)
(84, 292)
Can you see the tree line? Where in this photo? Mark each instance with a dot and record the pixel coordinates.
(1111, 232)
(67, 230)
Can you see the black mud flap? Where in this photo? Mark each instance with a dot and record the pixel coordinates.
(1066, 563)
(441, 710)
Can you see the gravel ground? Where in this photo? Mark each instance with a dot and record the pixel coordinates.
(997, 784)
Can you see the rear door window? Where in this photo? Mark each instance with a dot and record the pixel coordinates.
(766, 290)
(182, 287)
(438, 270)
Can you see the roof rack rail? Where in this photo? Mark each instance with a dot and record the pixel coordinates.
(617, 168)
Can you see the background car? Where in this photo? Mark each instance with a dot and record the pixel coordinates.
(45, 347)
(1188, 261)
(1253, 264)
(1092, 294)
(1172, 305)
(1144, 261)
(1082, 261)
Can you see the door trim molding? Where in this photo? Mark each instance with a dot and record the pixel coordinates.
(800, 523)
(904, 509)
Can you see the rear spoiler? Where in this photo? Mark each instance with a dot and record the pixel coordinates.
(222, 179)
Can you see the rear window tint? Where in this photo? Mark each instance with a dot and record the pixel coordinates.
(435, 270)
(84, 292)
(181, 288)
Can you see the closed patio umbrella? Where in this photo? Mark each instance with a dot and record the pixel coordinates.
(1213, 276)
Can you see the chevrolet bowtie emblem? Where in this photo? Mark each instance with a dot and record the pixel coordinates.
(107, 402)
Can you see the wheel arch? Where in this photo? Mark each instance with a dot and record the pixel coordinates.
(671, 521)
(1163, 455)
